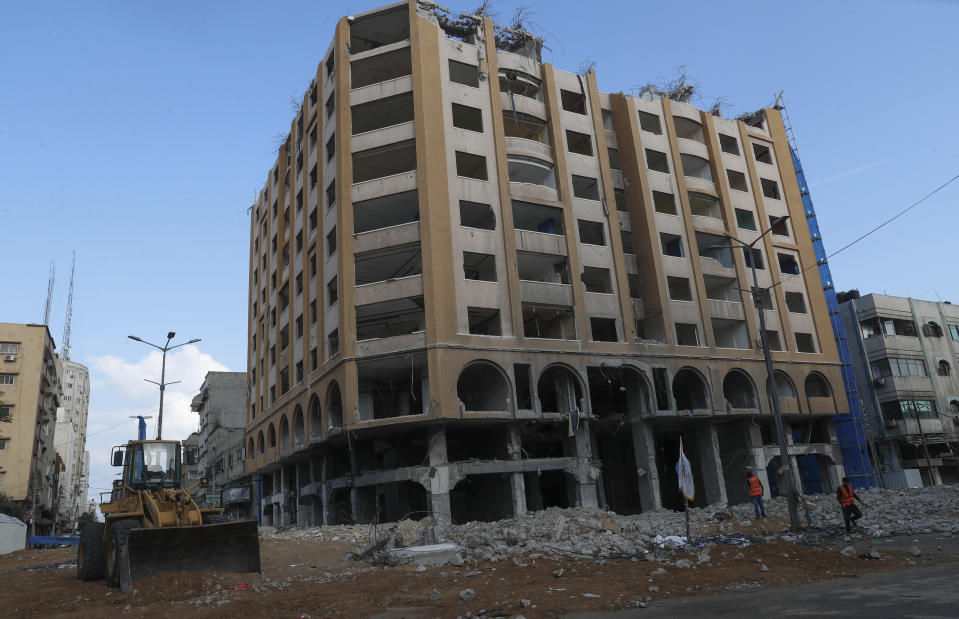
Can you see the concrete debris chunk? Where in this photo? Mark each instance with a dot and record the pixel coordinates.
(849, 551)
(914, 551)
(467, 595)
(763, 568)
(684, 564)
(435, 595)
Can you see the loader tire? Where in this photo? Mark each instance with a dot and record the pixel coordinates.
(215, 519)
(118, 539)
(91, 552)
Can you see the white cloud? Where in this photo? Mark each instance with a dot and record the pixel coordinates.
(118, 390)
(856, 170)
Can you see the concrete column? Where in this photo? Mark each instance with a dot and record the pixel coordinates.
(439, 473)
(757, 453)
(712, 465)
(355, 507)
(585, 479)
(517, 482)
(645, 454)
(280, 477)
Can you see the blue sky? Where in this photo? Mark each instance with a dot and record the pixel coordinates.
(137, 133)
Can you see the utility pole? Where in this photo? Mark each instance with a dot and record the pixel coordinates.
(162, 384)
(757, 295)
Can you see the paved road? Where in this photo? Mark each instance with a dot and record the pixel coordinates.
(924, 592)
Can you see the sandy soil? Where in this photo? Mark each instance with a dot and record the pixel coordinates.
(306, 579)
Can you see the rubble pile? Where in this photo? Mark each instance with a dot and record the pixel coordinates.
(598, 534)
(905, 511)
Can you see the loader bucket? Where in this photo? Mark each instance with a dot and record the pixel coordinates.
(230, 547)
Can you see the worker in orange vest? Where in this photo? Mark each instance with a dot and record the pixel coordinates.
(755, 488)
(847, 498)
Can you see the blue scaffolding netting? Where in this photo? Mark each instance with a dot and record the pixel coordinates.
(850, 427)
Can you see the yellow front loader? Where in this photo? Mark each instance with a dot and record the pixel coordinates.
(153, 525)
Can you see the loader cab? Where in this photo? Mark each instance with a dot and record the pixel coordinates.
(152, 464)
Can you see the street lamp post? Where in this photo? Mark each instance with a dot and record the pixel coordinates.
(757, 294)
(162, 384)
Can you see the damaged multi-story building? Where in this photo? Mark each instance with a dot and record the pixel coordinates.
(480, 286)
(904, 352)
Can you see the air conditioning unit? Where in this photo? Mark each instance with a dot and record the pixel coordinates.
(9, 357)
(879, 382)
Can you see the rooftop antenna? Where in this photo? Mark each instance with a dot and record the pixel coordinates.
(49, 302)
(65, 341)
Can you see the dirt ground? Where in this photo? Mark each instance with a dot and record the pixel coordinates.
(305, 579)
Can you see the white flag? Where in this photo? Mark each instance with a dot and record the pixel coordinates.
(685, 474)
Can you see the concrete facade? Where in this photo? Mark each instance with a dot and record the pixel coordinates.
(30, 373)
(519, 299)
(222, 409)
(71, 439)
(905, 354)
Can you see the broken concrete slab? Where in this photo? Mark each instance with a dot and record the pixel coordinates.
(432, 554)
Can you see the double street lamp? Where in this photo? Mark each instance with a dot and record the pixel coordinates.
(162, 384)
(757, 294)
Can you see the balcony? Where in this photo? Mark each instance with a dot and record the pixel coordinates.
(822, 406)
(540, 242)
(387, 237)
(726, 310)
(546, 293)
(389, 290)
(882, 344)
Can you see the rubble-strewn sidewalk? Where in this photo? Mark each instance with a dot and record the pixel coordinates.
(595, 533)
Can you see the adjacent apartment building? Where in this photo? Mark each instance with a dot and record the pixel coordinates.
(71, 440)
(30, 393)
(905, 354)
(222, 409)
(480, 286)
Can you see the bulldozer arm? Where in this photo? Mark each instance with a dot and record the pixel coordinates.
(230, 547)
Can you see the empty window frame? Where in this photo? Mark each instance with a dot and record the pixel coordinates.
(770, 188)
(379, 29)
(332, 292)
(538, 267)
(579, 143)
(614, 162)
(704, 205)
(619, 196)
(382, 113)
(522, 373)
(788, 264)
(525, 126)
(331, 242)
(330, 148)
(772, 339)
(471, 166)
(519, 83)
(754, 257)
(597, 280)
(657, 161)
(591, 232)
(737, 180)
(664, 203)
(484, 321)
(466, 117)
(672, 244)
(386, 211)
(585, 187)
(679, 289)
(480, 267)
(696, 167)
(603, 329)
(650, 123)
(530, 170)
(573, 101)
(687, 334)
(688, 129)
(388, 263)
(745, 219)
(537, 218)
(330, 104)
(462, 73)
(627, 239)
(551, 322)
(728, 144)
(477, 215)
(383, 161)
(380, 68)
(762, 153)
(333, 343)
(779, 229)
(805, 342)
(796, 302)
